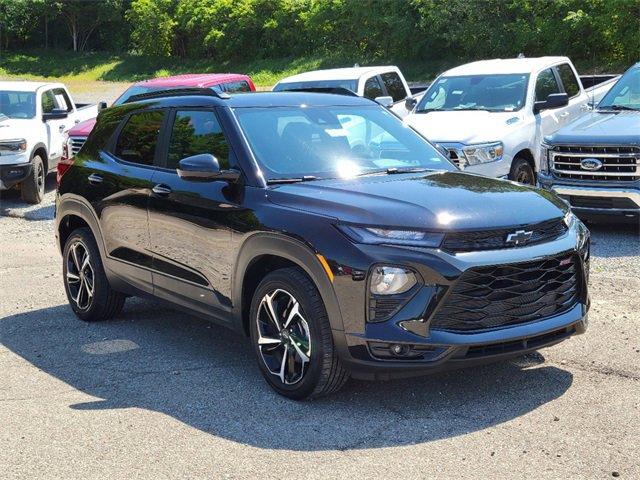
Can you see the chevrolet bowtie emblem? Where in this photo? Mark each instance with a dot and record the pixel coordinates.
(519, 237)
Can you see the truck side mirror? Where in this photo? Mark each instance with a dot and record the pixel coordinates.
(204, 167)
(410, 103)
(554, 100)
(55, 114)
(386, 102)
(101, 106)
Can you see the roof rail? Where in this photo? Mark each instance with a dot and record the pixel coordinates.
(333, 90)
(178, 92)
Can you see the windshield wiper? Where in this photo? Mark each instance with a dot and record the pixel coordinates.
(306, 178)
(395, 171)
(622, 107)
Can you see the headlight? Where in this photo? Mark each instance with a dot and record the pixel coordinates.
(10, 147)
(570, 219)
(487, 152)
(544, 158)
(387, 280)
(377, 236)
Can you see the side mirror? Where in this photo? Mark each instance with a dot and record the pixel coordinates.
(554, 100)
(101, 106)
(204, 168)
(410, 103)
(55, 114)
(386, 102)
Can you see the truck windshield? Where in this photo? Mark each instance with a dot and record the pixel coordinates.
(334, 142)
(288, 86)
(495, 93)
(625, 94)
(17, 104)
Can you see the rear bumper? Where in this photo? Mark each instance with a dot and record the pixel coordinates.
(11, 175)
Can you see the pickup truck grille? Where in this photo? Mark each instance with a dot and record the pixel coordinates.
(496, 239)
(619, 164)
(504, 295)
(76, 144)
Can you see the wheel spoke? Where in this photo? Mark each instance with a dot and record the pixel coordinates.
(81, 289)
(295, 310)
(269, 341)
(72, 277)
(85, 261)
(268, 301)
(296, 343)
(283, 364)
(74, 257)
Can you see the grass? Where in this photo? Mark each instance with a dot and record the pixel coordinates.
(84, 68)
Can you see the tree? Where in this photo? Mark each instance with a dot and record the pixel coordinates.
(152, 26)
(83, 17)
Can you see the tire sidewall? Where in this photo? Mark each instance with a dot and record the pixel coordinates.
(520, 164)
(30, 189)
(319, 353)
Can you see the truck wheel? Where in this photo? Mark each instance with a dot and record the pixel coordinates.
(32, 187)
(85, 282)
(292, 338)
(522, 172)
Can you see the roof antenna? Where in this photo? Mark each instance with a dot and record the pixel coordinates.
(356, 65)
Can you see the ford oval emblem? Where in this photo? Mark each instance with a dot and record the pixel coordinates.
(591, 164)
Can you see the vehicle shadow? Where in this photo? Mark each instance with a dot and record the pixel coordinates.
(206, 377)
(12, 205)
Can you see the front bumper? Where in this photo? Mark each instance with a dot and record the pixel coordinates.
(360, 342)
(11, 175)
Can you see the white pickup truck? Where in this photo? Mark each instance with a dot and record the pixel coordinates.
(384, 84)
(34, 119)
(492, 115)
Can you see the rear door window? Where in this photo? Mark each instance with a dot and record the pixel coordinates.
(63, 102)
(372, 88)
(546, 84)
(569, 80)
(394, 85)
(138, 138)
(236, 87)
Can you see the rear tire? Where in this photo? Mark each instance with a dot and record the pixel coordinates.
(85, 282)
(522, 172)
(32, 187)
(302, 331)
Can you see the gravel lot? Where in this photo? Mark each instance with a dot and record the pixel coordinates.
(159, 394)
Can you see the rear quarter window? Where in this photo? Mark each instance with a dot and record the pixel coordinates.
(394, 85)
(569, 80)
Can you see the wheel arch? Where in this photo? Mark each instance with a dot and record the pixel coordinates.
(41, 149)
(262, 253)
(527, 155)
(73, 213)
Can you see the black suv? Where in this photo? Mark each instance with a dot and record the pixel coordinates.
(334, 236)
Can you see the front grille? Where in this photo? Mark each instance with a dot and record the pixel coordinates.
(496, 239)
(76, 144)
(519, 345)
(620, 164)
(504, 295)
(607, 203)
(453, 156)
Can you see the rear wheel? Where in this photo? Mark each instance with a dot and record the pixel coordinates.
(86, 284)
(522, 172)
(32, 187)
(292, 337)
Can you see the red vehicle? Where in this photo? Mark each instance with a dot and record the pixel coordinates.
(220, 82)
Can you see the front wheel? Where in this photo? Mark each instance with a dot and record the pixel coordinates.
(522, 172)
(32, 187)
(292, 337)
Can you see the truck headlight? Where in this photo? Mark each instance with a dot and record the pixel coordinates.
(10, 147)
(387, 280)
(378, 236)
(544, 158)
(483, 153)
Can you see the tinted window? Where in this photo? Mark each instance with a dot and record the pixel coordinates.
(48, 101)
(235, 87)
(197, 132)
(394, 85)
(373, 89)
(546, 84)
(569, 80)
(17, 104)
(138, 138)
(289, 86)
(62, 100)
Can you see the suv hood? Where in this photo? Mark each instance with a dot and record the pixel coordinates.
(12, 128)
(464, 126)
(82, 129)
(438, 200)
(619, 128)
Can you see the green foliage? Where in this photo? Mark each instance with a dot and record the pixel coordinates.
(152, 26)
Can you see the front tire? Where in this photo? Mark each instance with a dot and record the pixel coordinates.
(85, 282)
(522, 172)
(32, 187)
(292, 338)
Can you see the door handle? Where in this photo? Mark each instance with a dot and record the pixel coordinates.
(565, 114)
(161, 189)
(61, 128)
(94, 179)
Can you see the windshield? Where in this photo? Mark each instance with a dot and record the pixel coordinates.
(495, 93)
(330, 142)
(17, 104)
(625, 93)
(288, 86)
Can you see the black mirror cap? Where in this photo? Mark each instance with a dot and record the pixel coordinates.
(102, 105)
(204, 167)
(554, 100)
(410, 103)
(55, 114)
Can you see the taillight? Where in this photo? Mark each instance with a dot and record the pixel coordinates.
(66, 160)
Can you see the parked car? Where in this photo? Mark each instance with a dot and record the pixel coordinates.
(594, 162)
(337, 254)
(384, 84)
(491, 115)
(34, 119)
(220, 82)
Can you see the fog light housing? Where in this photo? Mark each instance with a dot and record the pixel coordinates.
(387, 280)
